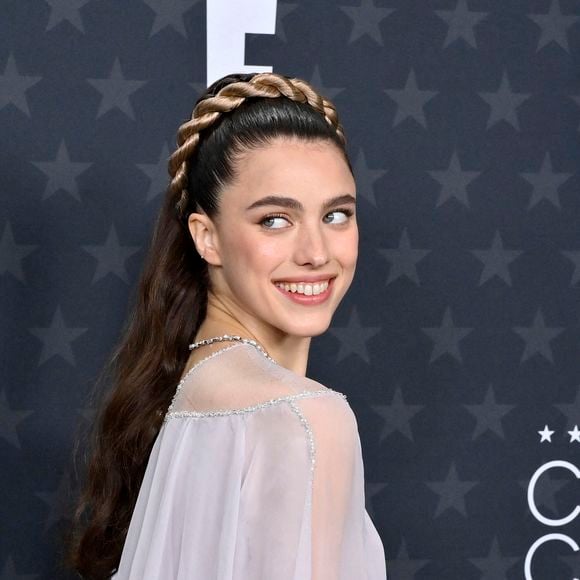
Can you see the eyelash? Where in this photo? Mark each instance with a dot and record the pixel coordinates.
(346, 210)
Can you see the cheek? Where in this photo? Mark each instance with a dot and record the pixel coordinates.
(346, 248)
(255, 253)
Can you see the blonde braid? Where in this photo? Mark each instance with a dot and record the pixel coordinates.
(228, 98)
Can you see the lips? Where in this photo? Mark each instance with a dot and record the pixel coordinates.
(306, 279)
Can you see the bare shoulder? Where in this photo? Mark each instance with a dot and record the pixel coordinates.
(238, 378)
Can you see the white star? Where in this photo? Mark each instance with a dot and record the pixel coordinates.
(546, 435)
(574, 434)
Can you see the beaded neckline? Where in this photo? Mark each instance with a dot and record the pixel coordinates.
(241, 340)
(231, 337)
(193, 368)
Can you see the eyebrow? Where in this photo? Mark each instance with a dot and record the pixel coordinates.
(291, 203)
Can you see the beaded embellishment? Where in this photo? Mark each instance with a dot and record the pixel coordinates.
(290, 399)
(195, 366)
(251, 409)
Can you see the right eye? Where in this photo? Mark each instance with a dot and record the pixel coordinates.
(270, 218)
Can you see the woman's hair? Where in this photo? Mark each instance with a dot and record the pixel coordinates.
(235, 114)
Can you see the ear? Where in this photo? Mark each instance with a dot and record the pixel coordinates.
(204, 235)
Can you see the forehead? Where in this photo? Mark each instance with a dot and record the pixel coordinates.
(296, 166)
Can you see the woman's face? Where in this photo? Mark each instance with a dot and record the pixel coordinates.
(310, 234)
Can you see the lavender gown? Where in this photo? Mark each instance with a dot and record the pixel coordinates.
(256, 474)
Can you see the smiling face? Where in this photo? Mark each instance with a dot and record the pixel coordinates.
(309, 235)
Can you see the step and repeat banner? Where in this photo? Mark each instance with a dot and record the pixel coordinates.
(458, 344)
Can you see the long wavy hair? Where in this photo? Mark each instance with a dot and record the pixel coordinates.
(235, 114)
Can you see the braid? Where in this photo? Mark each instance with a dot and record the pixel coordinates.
(208, 110)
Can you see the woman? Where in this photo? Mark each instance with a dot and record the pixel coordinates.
(225, 460)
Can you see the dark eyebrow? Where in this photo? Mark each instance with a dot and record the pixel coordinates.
(291, 203)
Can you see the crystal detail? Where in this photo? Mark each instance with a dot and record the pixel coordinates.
(195, 366)
(230, 337)
(251, 409)
(311, 445)
(279, 400)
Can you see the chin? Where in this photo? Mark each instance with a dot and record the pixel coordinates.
(307, 330)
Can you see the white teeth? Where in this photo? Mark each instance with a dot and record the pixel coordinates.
(301, 288)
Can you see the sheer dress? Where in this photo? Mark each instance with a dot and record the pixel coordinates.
(256, 474)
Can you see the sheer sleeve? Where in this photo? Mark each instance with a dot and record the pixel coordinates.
(308, 517)
(334, 485)
(269, 490)
(344, 542)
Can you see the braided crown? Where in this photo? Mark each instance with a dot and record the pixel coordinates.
(208, 110)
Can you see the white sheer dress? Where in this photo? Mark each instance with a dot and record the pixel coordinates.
(256, 474)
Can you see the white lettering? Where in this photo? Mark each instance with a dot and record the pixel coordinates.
(543, 540)
(228, 21)
(532, 485)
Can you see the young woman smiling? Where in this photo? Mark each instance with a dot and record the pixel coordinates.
(223, 460)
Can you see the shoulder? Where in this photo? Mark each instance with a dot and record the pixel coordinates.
(242, 379)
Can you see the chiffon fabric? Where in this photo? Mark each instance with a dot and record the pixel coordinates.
(256, 474)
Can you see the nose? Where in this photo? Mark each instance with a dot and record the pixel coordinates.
(311, 245)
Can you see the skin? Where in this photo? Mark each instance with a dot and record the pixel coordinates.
(245, 256)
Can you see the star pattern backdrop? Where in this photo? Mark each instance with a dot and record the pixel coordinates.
(458, 344)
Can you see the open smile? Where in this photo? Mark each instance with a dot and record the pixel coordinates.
(306, 293)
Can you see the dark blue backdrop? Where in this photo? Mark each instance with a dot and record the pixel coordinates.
(459, 340)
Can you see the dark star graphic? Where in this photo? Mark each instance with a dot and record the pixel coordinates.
(494, 566)
(571, 410)
(446, 338)
(366, 19)
(451, 492)
(111, 257)
(504, 103)
(410, 101)
(58, 501)
(9, 420)
(496, 260)
(13, 86)
(538, 337)
(62, 173)
(115, 91)
(316, 81)
(454, 181)
(397, 416)
(282, 10)
(554, 25)
(489, 415)
(12, 254)
(403, 566)
(545, 491)
(546, 183)
(169, 13)
(61, 10)
(461, 22)
(573, 563)
(56, 338)
(371, 490)
(574, 257)
(157, 174)
(403, 259)
(353, 337)
(366, 178)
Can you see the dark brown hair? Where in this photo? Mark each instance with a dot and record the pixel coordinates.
(234, 115)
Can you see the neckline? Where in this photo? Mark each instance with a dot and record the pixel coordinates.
(201, 361)
(196, 366)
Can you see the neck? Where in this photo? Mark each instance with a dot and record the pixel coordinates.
(287, 350)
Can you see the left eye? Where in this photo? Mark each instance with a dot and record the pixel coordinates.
(344, 212)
